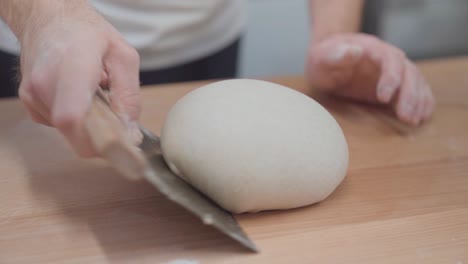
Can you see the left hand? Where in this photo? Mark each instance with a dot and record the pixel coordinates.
(365, 68)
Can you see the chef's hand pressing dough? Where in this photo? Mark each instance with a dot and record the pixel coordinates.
(253, 145)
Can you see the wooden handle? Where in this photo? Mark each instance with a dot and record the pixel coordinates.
(110, 139)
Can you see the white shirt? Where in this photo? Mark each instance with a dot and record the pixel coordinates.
(166, 32)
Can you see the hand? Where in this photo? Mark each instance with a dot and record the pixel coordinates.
(64, 59)
(364, 68)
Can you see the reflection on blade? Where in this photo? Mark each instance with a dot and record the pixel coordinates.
(185, 195)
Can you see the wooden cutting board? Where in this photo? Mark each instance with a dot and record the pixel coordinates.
(405, 199)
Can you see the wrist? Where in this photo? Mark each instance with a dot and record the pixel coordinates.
(35, 20)
(321, 32)
(331, 17)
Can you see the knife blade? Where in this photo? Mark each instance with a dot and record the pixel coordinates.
(109, 138)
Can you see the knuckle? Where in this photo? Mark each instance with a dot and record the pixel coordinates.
(38, 82)
(401, 54)
(129, 55)
(24, 92)
(370, 39)
(36, 117)
(393, 79)
(129, 101)
(403, 116)
(398, 53)
(64, 121)
(373, 38)
(86, 153)
(392, 76)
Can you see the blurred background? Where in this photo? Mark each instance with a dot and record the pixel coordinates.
(276, 39)
(422, 28)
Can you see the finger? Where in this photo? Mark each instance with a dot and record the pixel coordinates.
(36, 109)
(122, 66)
(429, 103)
(77, 82)
(420, 102)
(36, 116)
(425, 103)
(104, 80)
(331, 65)
(407, 97)
(392, 64)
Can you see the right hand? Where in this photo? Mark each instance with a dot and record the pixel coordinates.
(365, 68)
(64, 59)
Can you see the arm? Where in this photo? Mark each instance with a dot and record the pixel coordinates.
(67, 51)
(26, 17)
(16, 14)
(335, 16)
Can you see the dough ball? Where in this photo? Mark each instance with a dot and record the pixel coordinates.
(253, 145)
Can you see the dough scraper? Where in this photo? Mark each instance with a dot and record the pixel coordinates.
(109, 138)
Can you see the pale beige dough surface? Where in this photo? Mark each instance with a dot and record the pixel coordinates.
(253, 145)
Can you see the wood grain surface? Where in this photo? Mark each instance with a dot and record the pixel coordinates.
(404, 200)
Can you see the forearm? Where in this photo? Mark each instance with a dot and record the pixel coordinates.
(24, 16)
(334, 16)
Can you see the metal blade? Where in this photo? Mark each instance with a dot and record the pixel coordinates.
(187, 196)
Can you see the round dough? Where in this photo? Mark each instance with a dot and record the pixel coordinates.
(253, 145)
